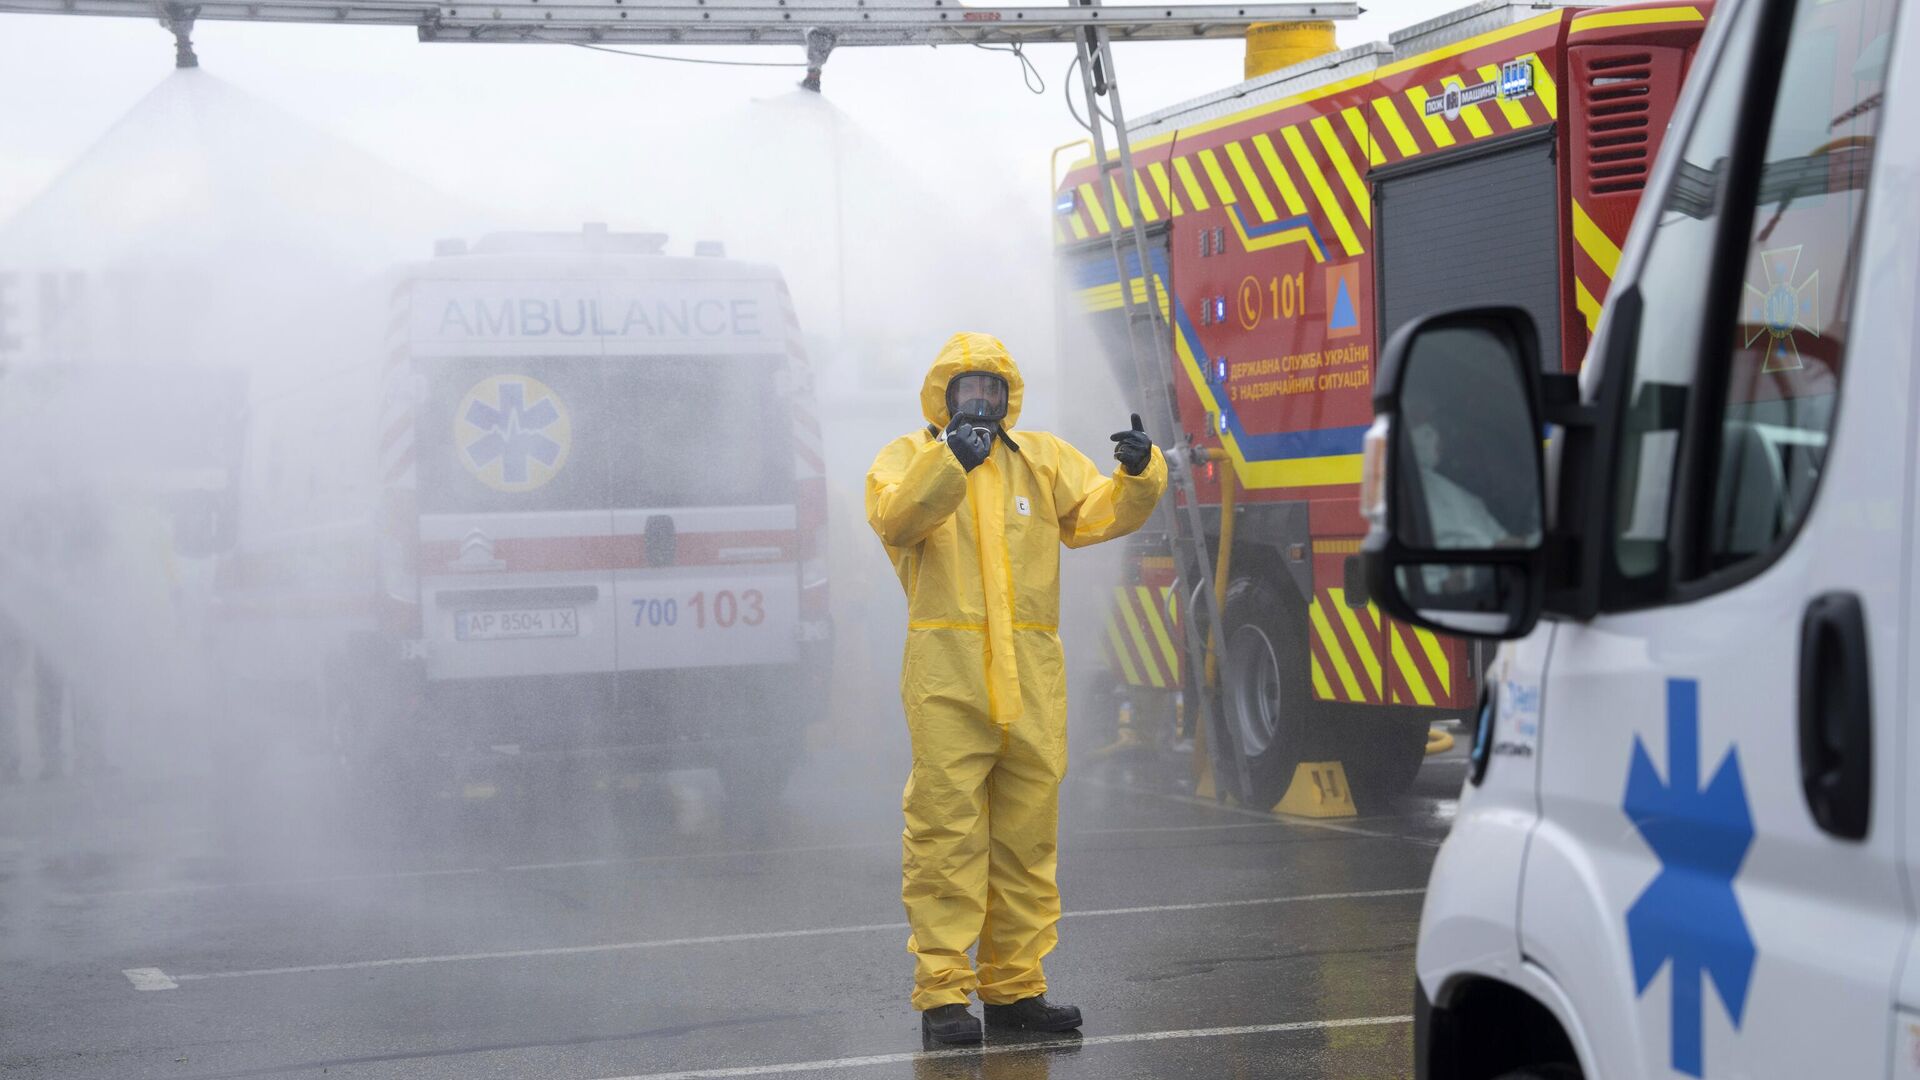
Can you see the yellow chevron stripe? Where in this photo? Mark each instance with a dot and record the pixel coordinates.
(1343, 164)
(1339, 656)
(1120, 203)
(1646, 17)
(1544, 87)
(1322, 690)
(1139, 638)
(1221, 188)
(1079, 227)
(1194, 195)
(1588, 305)
(1152, 609)
(1515, 112)
(1147, 209)
(1120, 653)
(1310, 168)
(1298, 234)
(1475, 120)
(1256, 191)
(1437, 129)
(1281, 179)
(1404, 662)
(1437, 657)
(1595, 242)
(1165, 188)
(1396, 127)
(1359, 638)
(1357, 123)
(1091, 203)
(1365, 78)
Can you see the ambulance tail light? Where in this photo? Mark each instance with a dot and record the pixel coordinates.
(1373, 472)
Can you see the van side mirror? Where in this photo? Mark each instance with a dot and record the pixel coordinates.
(1453, 484)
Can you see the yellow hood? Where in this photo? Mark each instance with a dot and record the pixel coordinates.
(969, 350)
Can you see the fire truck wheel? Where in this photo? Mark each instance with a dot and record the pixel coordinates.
(1383, 755)
(1264, 691)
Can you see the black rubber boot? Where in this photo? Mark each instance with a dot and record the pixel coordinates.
(1034, 1014)
(949, 1024)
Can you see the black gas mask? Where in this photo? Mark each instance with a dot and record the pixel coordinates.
(978, 397)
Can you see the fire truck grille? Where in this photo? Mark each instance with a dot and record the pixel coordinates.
(1619, 92)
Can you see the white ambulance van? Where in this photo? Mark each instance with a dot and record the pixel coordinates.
(1689, 844)
(570, 512)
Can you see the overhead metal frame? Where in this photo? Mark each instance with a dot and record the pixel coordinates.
(725, 22)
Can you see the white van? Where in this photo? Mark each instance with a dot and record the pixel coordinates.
(570, 513)
(1690, 840)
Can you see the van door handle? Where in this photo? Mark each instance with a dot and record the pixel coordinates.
(1836, 715)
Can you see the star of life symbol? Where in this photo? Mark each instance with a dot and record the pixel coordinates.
(513, 432)
(1781, 309)
(1688, 919)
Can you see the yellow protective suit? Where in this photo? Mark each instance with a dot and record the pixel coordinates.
(983, 680)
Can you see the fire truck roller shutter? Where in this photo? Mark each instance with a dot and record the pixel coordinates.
(1478, 226)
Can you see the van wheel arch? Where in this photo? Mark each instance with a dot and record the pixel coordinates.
(1485, 1029)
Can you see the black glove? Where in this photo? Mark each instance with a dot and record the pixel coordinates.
(1132, 448)
(971, 443)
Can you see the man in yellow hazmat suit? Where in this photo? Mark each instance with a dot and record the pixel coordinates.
(973, 520)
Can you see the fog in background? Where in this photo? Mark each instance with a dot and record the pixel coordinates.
(185, 245)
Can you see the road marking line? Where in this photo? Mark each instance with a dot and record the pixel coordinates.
(994, 1049)
(640, 860)
(729, 939)
(149, 979)
(473, 871)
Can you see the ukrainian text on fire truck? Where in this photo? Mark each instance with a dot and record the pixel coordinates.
(1348, 367)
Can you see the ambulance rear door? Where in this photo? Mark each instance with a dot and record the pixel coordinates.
(702, 486)
(514, 439)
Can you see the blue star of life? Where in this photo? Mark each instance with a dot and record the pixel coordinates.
(513, 433)
(1689, 915)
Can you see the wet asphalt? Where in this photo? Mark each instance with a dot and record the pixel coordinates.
(664, 931)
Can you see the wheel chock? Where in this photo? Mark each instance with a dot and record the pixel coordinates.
(1319, 790)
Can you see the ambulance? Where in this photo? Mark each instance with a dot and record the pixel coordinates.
(569, 513)
(1689, 843)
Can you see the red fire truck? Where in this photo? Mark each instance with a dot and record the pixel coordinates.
(1493, 155)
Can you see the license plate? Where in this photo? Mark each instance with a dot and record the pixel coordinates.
(515, 623)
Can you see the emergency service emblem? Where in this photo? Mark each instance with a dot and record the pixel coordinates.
(512, 432)
(1780, 309)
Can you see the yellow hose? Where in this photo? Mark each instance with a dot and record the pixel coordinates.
(1224, 564)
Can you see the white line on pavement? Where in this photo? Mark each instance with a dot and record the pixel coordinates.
(473, 871)
(580, 864)
(727, 939)
(992, 1049)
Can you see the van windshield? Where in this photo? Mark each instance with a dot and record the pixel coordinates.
(520, 434)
